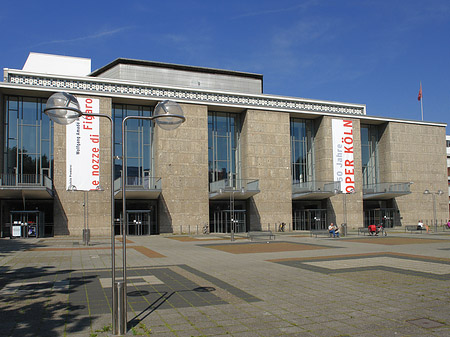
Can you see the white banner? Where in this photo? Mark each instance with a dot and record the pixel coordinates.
(83, 148)
(343, 164)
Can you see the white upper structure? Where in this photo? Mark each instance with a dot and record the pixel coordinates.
(57, 65)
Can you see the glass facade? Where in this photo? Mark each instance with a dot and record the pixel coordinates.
(28, 150)
(369, 154)
(302, 150)
(139, 135)
(223, 146)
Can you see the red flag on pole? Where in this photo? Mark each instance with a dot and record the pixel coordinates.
(420, 92)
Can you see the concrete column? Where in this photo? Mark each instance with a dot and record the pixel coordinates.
(181, 160)
(68, 209)
(265, 144)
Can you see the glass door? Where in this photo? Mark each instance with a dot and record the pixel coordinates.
(222, 221)
(138, 223)
(307, 219)
(26, 224)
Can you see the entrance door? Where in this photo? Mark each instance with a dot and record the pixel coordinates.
(307, 219)
(380, 216)
(29, 223)
(222, 221)
(138, 223)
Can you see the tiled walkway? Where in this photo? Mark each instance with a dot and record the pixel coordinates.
(210, 286)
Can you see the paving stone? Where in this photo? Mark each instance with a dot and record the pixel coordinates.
(205, 291)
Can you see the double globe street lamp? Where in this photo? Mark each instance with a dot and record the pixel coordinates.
(433, 194)
(63, 108)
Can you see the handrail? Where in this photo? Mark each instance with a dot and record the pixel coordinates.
(316, 186)
(387, 188)
(146, 183)
(8, 179)
(234, 184)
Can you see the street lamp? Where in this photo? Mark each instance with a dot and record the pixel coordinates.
(344, 207)
(168, 115)
(439, 192)
(63, 108)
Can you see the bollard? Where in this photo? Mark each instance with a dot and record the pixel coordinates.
(120, 318)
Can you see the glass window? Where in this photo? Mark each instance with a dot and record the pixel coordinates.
(302, 150)
(28, 138)
(223, 150)
(369, 153)
(139, 135)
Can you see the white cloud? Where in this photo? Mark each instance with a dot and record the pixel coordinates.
(95, 36)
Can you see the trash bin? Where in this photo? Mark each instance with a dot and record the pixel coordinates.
(344, 229)
(86, 236)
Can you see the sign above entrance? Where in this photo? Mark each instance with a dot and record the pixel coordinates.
(343, 164)
(83, 148)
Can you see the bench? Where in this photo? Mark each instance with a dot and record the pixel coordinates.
(414, 229)
(316, 232)
(264, 235)
(363, 230)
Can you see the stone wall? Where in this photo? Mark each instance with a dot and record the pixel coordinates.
(181, 160)
(415, 153)
(68, 205)
(265, 142)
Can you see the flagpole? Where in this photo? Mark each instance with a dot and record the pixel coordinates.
(420, 98)
(421, 106)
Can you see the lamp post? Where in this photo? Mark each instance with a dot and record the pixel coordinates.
(63, 108)
(168, 115)
(86, 231)
(433, 194)
(345, 205)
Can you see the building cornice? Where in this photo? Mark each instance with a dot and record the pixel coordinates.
(116, 88)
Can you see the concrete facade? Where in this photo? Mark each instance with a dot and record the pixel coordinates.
(69, 213)
(407, 152)
(182, 163)
(266, 157)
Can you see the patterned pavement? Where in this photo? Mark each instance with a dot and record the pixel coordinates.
(209, 286)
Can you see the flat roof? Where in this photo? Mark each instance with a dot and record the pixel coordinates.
(144, 63)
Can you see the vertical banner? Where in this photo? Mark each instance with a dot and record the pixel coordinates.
(343, 164)
(83, 148)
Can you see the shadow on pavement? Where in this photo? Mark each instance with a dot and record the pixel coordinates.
(34, 302)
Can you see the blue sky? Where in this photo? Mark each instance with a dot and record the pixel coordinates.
(369, 52)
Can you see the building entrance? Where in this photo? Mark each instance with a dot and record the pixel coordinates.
(224, 219)
(380, 216)
(307, 219)
(27, 224)
(139, 222)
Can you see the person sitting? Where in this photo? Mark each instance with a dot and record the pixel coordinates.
(331, 230)
(336, 230)
(421, 226)
(448, 224)
(373, 230)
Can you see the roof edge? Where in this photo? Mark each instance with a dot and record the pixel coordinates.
(117, 61)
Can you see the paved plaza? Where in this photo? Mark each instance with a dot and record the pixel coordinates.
(295, 285)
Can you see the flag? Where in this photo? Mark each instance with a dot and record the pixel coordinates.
(420, 92)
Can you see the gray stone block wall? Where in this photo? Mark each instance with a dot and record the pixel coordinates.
(265, 141)
(181, 160)
(416, 153)
(68, 205)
